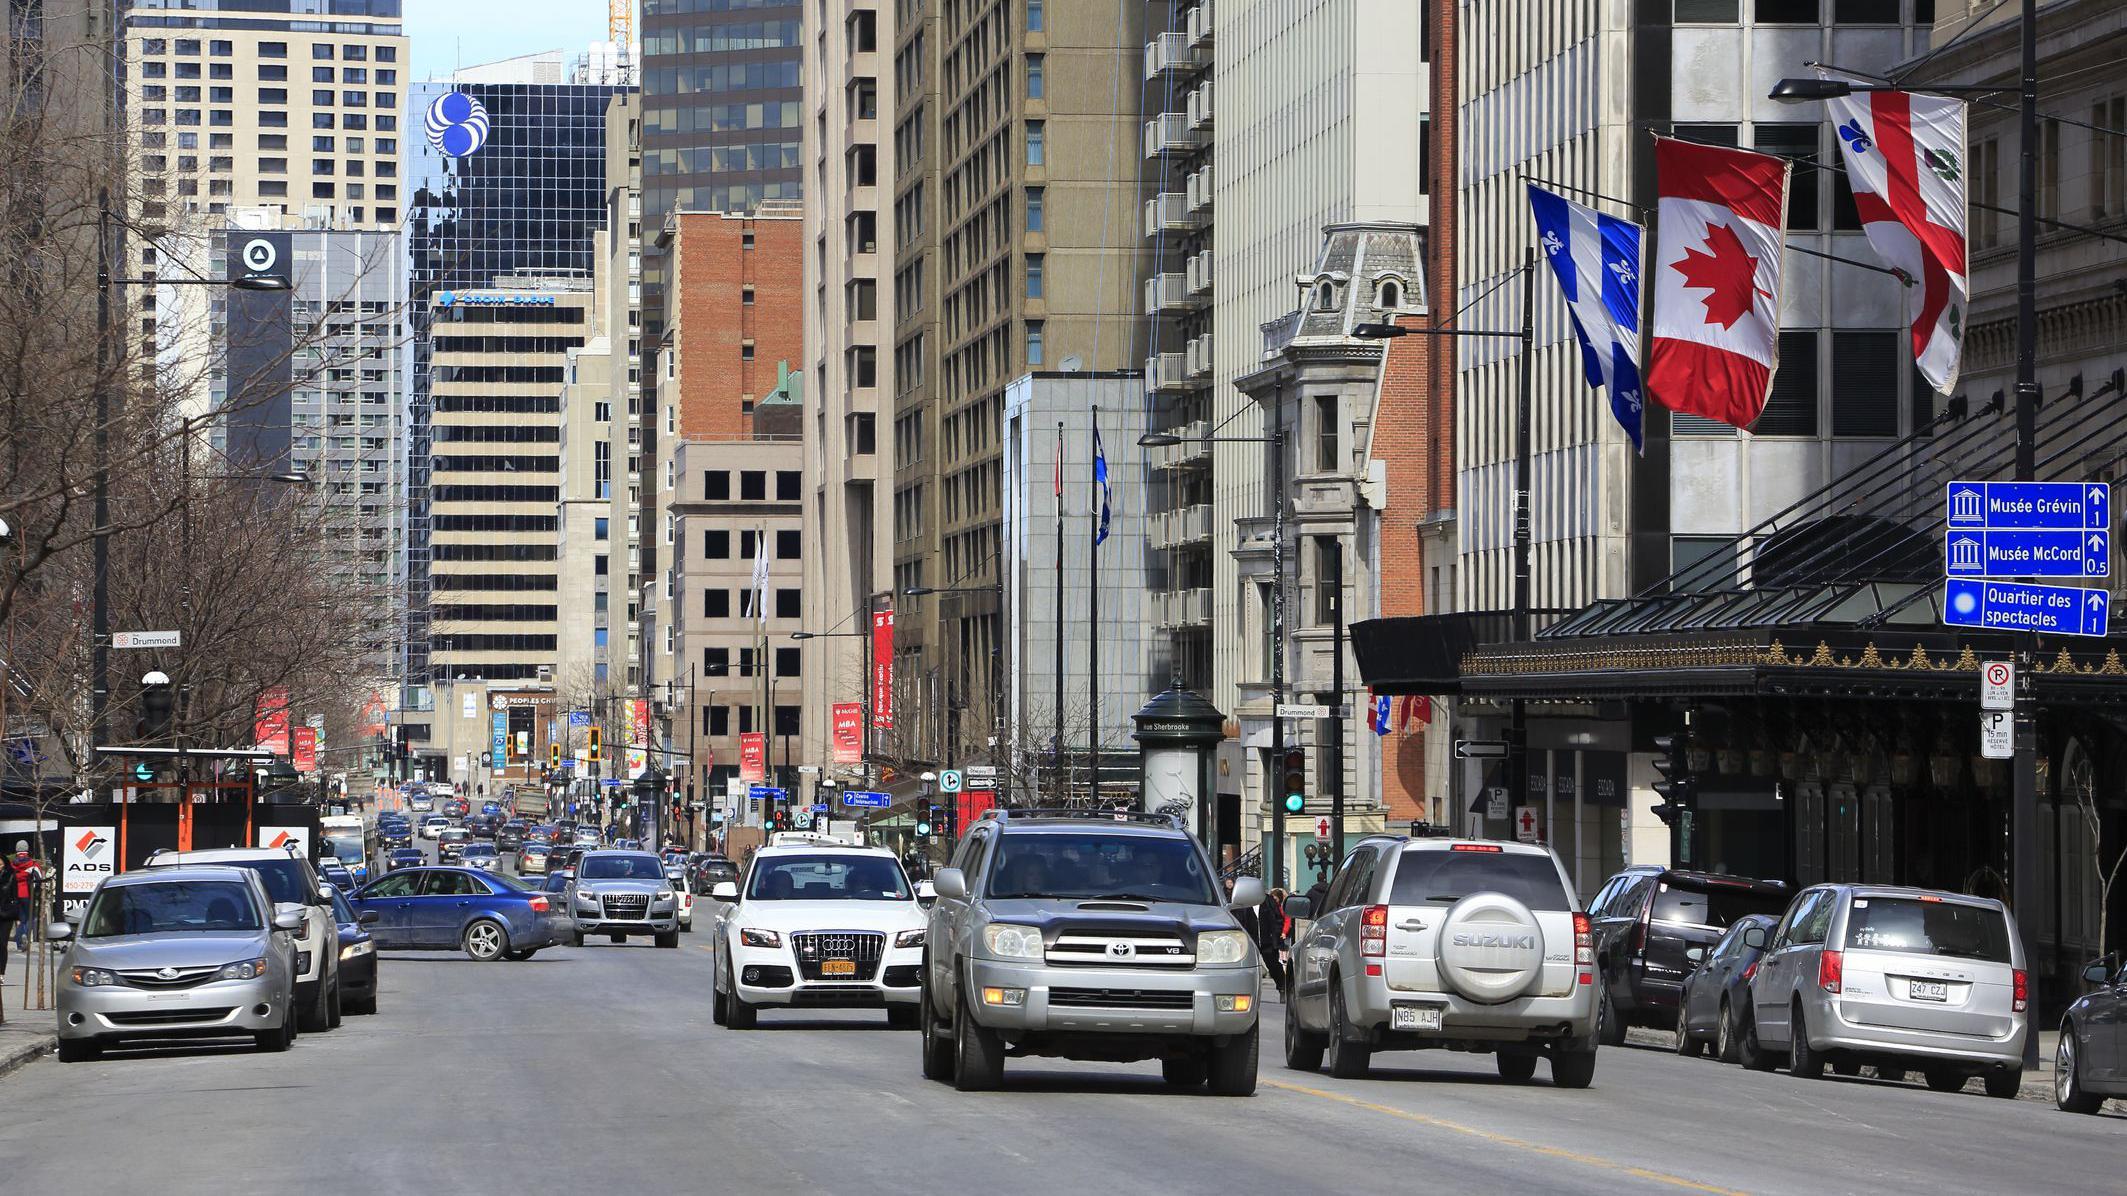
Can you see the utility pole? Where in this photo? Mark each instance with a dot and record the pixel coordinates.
(1276, 855)
(1334, 758)
(2026, 893)
(1524, 628)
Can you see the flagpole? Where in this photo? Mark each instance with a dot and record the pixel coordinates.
(1524, 629)
(1093, 638)
(1062, 788)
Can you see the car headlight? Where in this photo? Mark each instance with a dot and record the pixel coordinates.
(587, 894)
(352, 950)
(1007, 941)
(93, 977)
(760, 938)
(664, 894)
(909, 938)
(247, 969)
(1221, 946)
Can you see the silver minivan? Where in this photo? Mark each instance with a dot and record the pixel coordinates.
(1895, 977)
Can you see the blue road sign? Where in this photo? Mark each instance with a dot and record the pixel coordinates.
(1993, 552)
(2010, 606)
(579, 718)
(766, 793)
(819, 808)
(2030, 506)
(867, 799)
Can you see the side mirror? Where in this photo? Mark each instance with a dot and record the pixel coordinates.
(926, 892)
(2098, 971)
(1247, 893)
(1754, 938)
(59, 932)
(367, 917)
(724, 890)
(951, 882)
(288, 918)
(1296, 908)
(1695, 954)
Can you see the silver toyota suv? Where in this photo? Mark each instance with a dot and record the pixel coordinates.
(1454, 943)
(1083, 935)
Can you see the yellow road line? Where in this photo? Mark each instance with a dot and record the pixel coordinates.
(1660, 1177)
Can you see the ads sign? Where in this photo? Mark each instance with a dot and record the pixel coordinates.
(87, 857)
(280, 838)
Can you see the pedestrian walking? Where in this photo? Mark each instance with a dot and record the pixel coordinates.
(29, 892)
(11, 910)
(1273, 931)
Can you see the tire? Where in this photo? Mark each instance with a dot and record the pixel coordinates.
(333, 1012)
(978, 1054)
(1515, 1068)
(576, 938)
(1749, 1052)
(485, 940)
(1686, 1045)
(1573, 1069)
(1940, 1080)
(520, 956)
(669, 940)
(273, 1042)
(1803, 1063)
(88, 1050)
(716, 1003)
(2068, 1091)
(937, 1048)
(360, 1006)
(1303, 1047)
(737, 1013)
(1348, 1060)
(1185, 1072)
(2004, 1085)
(900, 1017)
(316, 1017)
(1232, 1068)
(1609, 1027)
(1725, 1037)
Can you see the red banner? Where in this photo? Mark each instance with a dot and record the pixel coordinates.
(849, 732)
(882, 670)
(973, 804)
(753, 757)
(269, 727)
(306, 749)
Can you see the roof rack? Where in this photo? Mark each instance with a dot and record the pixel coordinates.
(1146, 817)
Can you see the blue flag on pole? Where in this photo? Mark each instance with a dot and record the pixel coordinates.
(1380, 718)
(1100, 479)
(1596, 259)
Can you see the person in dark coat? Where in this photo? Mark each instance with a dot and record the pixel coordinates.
(11, 908)
(1272, 935)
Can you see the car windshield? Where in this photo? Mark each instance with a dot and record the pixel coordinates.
(347, 848)
(1445, 877)
(170, 907)
(622, 867)
(342, 912)
(286, 880)
(1089, 865)
(1713, 905)
(827, 878)
(1916, 927)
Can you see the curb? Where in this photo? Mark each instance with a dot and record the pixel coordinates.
(15, 1056)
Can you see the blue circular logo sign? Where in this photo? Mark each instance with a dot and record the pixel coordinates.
(457, 124)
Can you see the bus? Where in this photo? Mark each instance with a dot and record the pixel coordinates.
(349, 839)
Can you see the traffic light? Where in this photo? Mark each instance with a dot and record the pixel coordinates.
(158, 703)
(597, 743)
(1677, 786)
(553, 755)
(1293, 781)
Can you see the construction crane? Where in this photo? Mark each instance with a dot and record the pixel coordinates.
(620, 30)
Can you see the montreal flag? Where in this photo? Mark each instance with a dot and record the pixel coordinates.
(1717, 279)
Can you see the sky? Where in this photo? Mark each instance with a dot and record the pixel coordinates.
(446, 33)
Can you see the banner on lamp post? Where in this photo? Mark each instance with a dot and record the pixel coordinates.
(882, 670)
(270, 724)
(638, 751)
(849, 732)
(753, 756)
(305, 750)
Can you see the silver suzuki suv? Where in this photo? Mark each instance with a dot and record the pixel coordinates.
(1084, 935)
(1455, 943)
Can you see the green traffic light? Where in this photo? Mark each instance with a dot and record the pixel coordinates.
(1294, 802)
(923, 830)
(143, 772)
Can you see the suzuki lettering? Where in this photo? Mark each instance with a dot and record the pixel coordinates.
(1515, 942)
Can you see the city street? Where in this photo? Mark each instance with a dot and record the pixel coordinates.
(598, 1069)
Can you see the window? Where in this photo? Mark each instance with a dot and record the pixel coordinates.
(1035, 82)
(746, 239)
(716, 485)
(789, 544)
(716, 544)
(1327, 459)
(716, 604)
(273, 49)
(746, 351)
(1797, 142)
(2049, 169)
(1037, 142)
(1035, 17)
(1034, 275)
(746, 295)
(2108, 160)
(1865, 374)
(321, 74)
(1034, 346)
(272, 95)
(1706, 12)
(716, 662)
(387, 53)
(1865, 12)
(1986, 193)
(1791, 410)
(789, 484)
(788, 605)
(753, 485)
(1035, 204)
(600, 527)
(1702, 562)
(321, 50)
(1391, 295)
(788, 662)
(1787, 12)
(1329, 576)
(273, 74)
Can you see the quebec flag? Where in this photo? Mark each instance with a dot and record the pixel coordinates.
(1597, 261)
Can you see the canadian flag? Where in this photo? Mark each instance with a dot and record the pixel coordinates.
(1905, 156)
(1717, 279)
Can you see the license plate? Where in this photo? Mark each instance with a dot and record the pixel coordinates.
(838, 967)
(1928, 990)
(1414, 1017)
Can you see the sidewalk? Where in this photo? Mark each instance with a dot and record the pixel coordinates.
(27, 1033)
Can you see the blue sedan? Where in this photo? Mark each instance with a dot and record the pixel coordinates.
(442, 909)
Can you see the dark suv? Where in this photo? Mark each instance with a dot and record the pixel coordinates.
(1646, 919)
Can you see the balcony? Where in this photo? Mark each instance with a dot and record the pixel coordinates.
(1182, 608)
(1183, 526)
(1199, 107)
(1170, 52)
(1198, 25)
(1198, 191)
(1164, 372)
(1169, 133)
(1197, 274)
(1168, 212)
(1198, 356)
(1193, 447)
(1166, 293)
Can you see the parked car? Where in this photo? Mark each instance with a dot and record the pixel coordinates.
(1646, 919)
(1446, 943)
(358, 954)
(451, 844)
(2090, 1063)
(1717, 989)
(194, 951)
(621, 894)
(403, 857)
(291, 882)
(486, 915)
(1873, 974)
(1089, 936)
(532, 858)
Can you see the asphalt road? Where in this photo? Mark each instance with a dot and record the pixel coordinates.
(597, 1068)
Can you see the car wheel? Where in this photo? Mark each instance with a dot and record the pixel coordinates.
(1515, 1067)
(1749, 1051)
(485, 941)
(1187, 1071)
(978, 1054)
(1943, 1080)
(363, 1005)
(1803, 1062)
(716, 999)
(1686, 1045)
(1724, 1035)
(937, 1048)
(520, 956)
(1232, 1070)
(576, 938)
(737, 1013)
(2004, 1085)
(88, 1050)
(669, 939)
(1303, 1047)
(1348, 1059)
(1573, 1069)
(317, 1016)
(333, 1012)
(275, 1041)
(2068, 1091)
(1609, 1027)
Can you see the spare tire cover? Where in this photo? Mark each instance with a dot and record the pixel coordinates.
(1491, 948)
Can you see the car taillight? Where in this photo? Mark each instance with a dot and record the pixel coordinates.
(2021, 993)
(539, 905)
(1373, 931)
(1584, 947)
(1831, 971)
(1639, 938)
